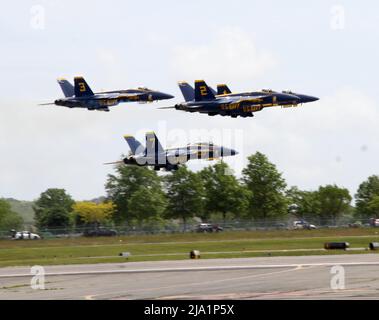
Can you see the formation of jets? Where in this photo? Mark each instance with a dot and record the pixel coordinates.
(202, 99)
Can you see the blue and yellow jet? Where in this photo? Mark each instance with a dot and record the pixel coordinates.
(223, 89)
(81, 96)
(204, 99)
(153, 154)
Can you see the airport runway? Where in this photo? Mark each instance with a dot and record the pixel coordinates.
(306, 277)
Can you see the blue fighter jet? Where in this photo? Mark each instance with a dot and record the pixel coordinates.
(204, 99)
(223, 89)
(81, 96)
(155, 156)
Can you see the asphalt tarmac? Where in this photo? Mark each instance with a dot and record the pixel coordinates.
(305, 277)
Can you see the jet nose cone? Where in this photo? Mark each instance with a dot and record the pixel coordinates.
(228, 152)
(312, 99)
(234, 152)
(309, 98)
(165, 96)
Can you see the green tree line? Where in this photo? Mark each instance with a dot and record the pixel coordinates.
(140, 196)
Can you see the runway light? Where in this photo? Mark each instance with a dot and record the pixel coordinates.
(336, 245)
(374, 246)
(195, 254)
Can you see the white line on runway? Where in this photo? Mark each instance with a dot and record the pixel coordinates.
(192, 284)
(193, 269)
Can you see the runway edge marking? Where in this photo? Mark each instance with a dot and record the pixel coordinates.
(193, 269)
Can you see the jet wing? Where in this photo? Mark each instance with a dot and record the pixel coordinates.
(108, 96)
(177, 153)
(172, 154)
(141, 97)
(120, 96)
(251, 99)
(128, 95)
(194, 107)
(187, 107)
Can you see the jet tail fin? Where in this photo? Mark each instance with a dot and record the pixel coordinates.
(223, 89)
(187, 91)
(214, 92)
(134, 145)
(202, 91)
(82, 89)
(153, 146)
(67, 87)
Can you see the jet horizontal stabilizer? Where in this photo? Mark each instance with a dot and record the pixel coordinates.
(115, 162)
(167, 107)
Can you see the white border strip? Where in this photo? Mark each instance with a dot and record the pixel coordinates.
(194, 269)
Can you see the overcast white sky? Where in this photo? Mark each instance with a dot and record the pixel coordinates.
(324, 48)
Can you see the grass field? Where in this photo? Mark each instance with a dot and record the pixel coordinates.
(177, 246)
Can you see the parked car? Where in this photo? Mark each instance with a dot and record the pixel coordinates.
(24, 235)
(207, 227)
(47, 235)
(301, 224)
(356, 224)
(374, 222)
(280, 226)
(101, 232)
